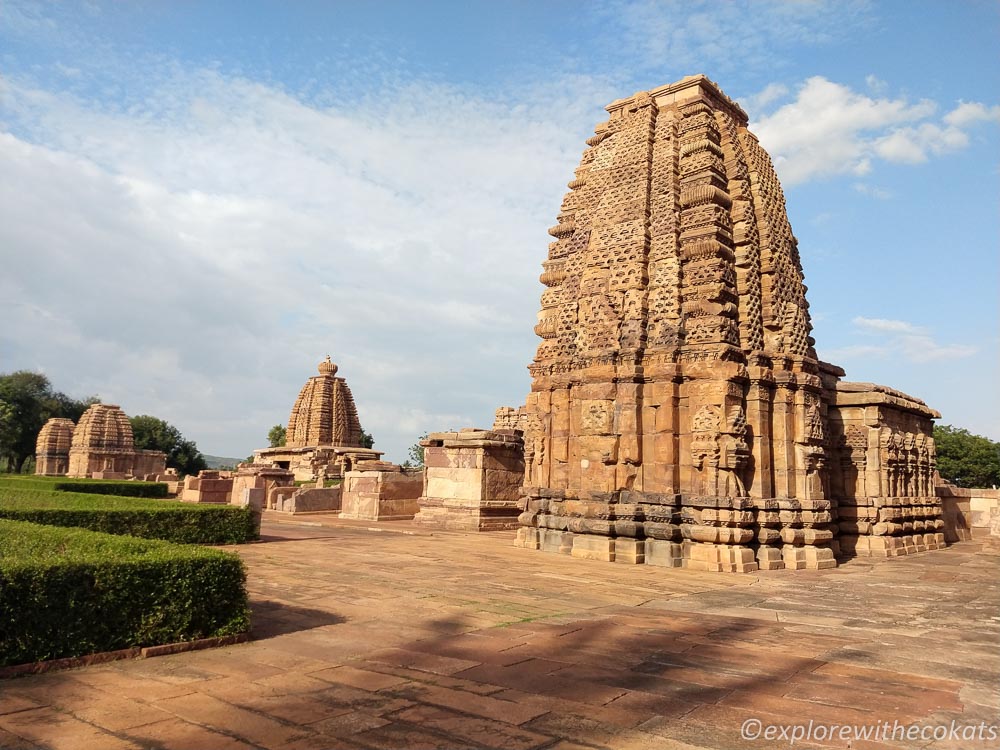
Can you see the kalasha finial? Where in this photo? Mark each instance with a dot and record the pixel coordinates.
(326, 367)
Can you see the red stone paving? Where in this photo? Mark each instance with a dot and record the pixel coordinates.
(371, 638)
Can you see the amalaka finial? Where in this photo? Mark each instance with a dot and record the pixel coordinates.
(327, 367)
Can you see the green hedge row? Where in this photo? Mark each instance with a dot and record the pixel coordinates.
(122, 489)
(152, 519)
(70, 592)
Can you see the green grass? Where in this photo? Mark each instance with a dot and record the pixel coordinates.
(124, 487)
(144, 517)
(69, 592)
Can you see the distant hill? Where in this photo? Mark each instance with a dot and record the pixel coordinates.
(217, 462)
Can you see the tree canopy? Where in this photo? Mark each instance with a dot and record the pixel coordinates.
(415, 457)
(152, 433)
(27, 402)
(966, 460)
(276, 436)
(367, 441)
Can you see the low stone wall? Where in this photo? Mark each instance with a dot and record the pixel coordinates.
(472, 480)
(207, 487)
(968, 511)
(312, 500)
(378, 495)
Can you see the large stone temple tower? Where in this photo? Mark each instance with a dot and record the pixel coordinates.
(678, 413)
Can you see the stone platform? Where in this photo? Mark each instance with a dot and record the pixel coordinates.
(380, 636)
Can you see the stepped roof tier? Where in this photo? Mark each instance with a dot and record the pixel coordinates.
(104, 427)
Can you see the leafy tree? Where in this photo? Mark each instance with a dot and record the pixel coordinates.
(416, 454)
(966, 460)
(276, 436)
(27, 402)
(367, 441)
(152, 433)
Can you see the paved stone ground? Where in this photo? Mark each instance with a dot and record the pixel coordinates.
(405, 639)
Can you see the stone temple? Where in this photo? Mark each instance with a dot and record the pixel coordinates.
(678, 414)
(323, 437)
(103, 447)
(52, 447)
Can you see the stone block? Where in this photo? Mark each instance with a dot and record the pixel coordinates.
(590, 547)
(663, 553)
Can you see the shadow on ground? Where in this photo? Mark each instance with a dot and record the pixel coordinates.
(271, 618)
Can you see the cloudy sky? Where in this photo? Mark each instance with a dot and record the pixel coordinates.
(199, 201)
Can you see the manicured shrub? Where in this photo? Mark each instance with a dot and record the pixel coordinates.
(69, 592)
(122, 489)
(153, 519)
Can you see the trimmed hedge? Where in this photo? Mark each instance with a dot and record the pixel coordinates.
(119, 487)
(122, 489)
(70, 592)
(186, 523)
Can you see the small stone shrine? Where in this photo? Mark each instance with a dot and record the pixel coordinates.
(678, 413)
(323, 437)
(52, 447)
(103, 447)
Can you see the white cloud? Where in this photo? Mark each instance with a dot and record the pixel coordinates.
(967, 113)
(707, 36)
(872, 191)
(830, 129)
(195, 258)
(896, 339)
(884, 324)
(876, 84)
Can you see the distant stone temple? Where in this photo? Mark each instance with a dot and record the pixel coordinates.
(323, 437)
(101, 446)
(52, 447)
(678, 414)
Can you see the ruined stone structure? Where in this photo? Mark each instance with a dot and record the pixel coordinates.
(472, 480)
(208, 487)
(323, 437)
(103, 447)
(678, 413)
(380, 491)
(510, 419)
(52, 447)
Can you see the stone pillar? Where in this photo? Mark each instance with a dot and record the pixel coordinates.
(380, 491)
(472, 480)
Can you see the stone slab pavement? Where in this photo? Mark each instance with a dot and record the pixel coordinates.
(389, 636)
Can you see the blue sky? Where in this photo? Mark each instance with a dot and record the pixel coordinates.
(198, 201)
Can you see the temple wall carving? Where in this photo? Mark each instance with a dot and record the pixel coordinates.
(678, 413)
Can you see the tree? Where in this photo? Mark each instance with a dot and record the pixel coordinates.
(367, 441)
(966, 460)
(153, 434)
(27, 402)
(276, 436)
(415, 458)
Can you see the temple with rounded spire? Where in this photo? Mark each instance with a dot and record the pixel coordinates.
(324, 435)
(52, 447)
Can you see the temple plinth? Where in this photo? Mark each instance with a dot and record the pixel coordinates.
(678, 412)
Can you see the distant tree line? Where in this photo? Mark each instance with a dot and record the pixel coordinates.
(966, 460)
(28, 401)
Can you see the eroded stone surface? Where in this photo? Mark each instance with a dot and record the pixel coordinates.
(472, 480)
(678, 413)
